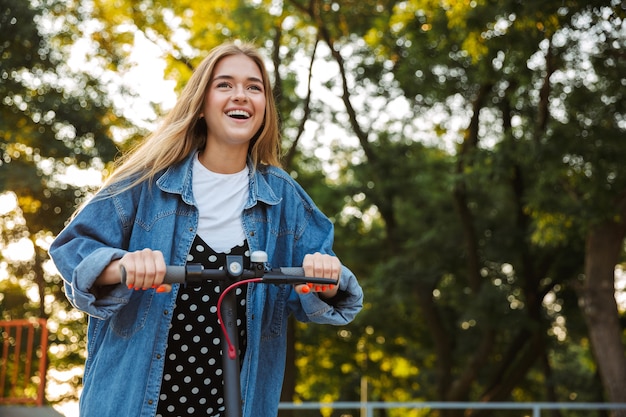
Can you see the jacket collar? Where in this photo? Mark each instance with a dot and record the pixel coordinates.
(260, 189)
(177, 180)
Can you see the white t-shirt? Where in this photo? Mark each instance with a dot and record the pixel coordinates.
(220, 199)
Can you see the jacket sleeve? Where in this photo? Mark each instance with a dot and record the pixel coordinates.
(339, 310)
(94, 238)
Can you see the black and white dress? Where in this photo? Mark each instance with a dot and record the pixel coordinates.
(192, 380)
(192, 383)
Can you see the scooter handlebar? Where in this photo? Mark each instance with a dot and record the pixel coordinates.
(181, 274)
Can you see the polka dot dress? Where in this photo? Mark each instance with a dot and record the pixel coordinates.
(192, 379)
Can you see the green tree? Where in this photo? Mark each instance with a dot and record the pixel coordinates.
(516, 69)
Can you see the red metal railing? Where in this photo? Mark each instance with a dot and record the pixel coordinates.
(23, 361)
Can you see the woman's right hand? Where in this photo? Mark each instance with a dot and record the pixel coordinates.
(144, 269)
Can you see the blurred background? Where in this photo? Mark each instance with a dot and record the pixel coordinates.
(471, 153)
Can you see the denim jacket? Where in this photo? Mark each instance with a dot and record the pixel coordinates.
(128, 330)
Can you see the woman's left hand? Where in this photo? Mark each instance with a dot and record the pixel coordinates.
(320, 266)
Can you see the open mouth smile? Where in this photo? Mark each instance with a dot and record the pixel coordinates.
(238, 114)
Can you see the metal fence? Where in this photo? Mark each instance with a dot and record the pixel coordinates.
(367, 409)
(24, 347)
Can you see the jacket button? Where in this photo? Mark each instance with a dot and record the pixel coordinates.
(165, 312)
(252, 233)
(150, 402)
(158, 356)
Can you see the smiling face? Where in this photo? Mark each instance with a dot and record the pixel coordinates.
(234, 105)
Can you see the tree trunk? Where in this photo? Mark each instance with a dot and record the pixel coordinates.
(603, 246)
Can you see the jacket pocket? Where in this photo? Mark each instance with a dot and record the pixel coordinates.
(132, 317)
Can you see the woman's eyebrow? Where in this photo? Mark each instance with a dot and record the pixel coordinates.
(230, 77)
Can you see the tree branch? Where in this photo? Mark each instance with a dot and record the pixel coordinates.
(288, 159)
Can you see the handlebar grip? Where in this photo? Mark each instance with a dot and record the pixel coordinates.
(174, 274)
(293, 276)
(292, 270)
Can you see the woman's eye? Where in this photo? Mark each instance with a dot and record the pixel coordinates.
(223, 85)
(256, 87)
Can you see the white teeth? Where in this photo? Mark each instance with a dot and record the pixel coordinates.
(238, 113)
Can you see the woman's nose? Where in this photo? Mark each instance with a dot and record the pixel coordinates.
(240, 94)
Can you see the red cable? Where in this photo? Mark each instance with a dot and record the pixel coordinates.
(231, 349)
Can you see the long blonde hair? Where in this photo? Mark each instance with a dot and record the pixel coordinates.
(183, 131)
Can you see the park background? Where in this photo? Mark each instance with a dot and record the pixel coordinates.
(471, 153)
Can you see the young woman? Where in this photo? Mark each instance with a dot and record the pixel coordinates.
(205, 184)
